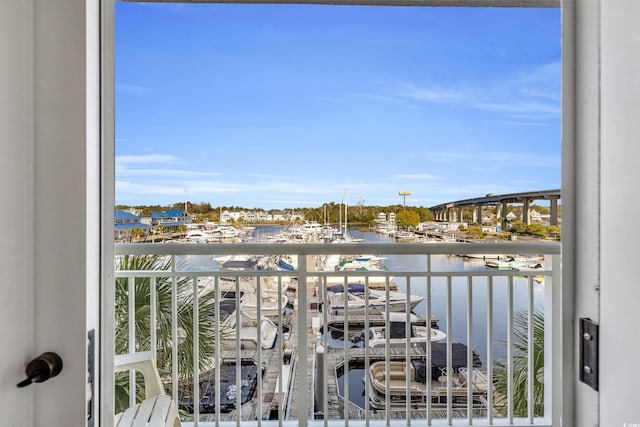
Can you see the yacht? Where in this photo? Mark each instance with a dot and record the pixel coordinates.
(398, 332)
(360, 300)
(247, 332)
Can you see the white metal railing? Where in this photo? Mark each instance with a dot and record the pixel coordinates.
(476, 307)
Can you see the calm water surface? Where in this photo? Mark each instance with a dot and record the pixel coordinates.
(459, 292)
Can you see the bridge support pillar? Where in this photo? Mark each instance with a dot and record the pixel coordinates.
(525, 211)
(459, 215)
(553, 211)
(504, 214)
(479, 214)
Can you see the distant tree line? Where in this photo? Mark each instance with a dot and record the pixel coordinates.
(330, 212)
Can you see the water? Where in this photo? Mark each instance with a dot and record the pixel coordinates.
(457, 330)
(418, 286)
(459, 295)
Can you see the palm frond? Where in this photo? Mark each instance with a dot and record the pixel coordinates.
(185, 299)
(520, 379)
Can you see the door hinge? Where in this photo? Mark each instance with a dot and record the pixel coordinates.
(589, 353)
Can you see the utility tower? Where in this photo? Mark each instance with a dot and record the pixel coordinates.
(404, 194)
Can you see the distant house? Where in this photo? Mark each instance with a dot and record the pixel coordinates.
(511, 216)
(278, 216)
(125, 222)
(226, 216)
(171, 219)
(534, 216)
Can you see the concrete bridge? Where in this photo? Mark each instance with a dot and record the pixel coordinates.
(452, 211)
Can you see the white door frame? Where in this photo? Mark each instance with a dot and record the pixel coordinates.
(594, 100)
(50, 178)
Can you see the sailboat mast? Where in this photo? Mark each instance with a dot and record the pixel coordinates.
(344, 200)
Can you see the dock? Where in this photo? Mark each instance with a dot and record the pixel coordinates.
(272, 408)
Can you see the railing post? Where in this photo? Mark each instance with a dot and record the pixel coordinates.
(303, 396)
(553, 348)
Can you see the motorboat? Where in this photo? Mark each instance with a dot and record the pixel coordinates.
(247, 332)
(360, 300)
(388, 379)
(398, 332)
(361, 263)
(269, 305)
(272, 301)
(515, 263)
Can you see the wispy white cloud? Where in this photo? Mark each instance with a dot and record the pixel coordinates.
(427, 94)
(542, 74)
(121, 87)
(146, 158)
(163, 173)
(521, 108)
(501, 158)
(530, 94)
(138, 190)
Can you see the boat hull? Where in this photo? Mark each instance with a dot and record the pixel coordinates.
(374, 308)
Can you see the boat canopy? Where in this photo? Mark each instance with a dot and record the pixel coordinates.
(351, 287)
(439, 360)
(239, 264)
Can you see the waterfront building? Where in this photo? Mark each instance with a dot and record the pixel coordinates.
(125, 222)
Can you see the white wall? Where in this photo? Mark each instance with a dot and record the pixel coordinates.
(16, 193)
(43, 181)
(620, 148)
(581, 194)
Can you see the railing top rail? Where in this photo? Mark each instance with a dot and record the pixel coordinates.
(546, 248)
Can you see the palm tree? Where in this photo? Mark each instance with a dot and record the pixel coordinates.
(160, 230)
(135, 233)
(520, 367)
(142, 310)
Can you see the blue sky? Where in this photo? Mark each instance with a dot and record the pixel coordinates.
(280, 106)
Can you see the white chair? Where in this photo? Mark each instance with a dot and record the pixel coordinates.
(158, 409)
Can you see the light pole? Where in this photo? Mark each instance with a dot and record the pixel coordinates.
(404, 194)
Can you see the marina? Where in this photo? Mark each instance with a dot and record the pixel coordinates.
(278, 403)
(353, 343)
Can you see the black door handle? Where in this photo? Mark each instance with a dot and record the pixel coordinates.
(43, 367)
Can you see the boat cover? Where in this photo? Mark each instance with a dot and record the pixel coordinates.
(227, 387)
(351, 287)
(285, 265)
(239, 264)
(439, 360)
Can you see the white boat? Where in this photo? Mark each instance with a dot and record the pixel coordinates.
(269, 305)
(247, 331)
(357, 301)
(419, 372)
(199, 235)
(398, 332)
(247, 288)
(514, 263)
(361, 263)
